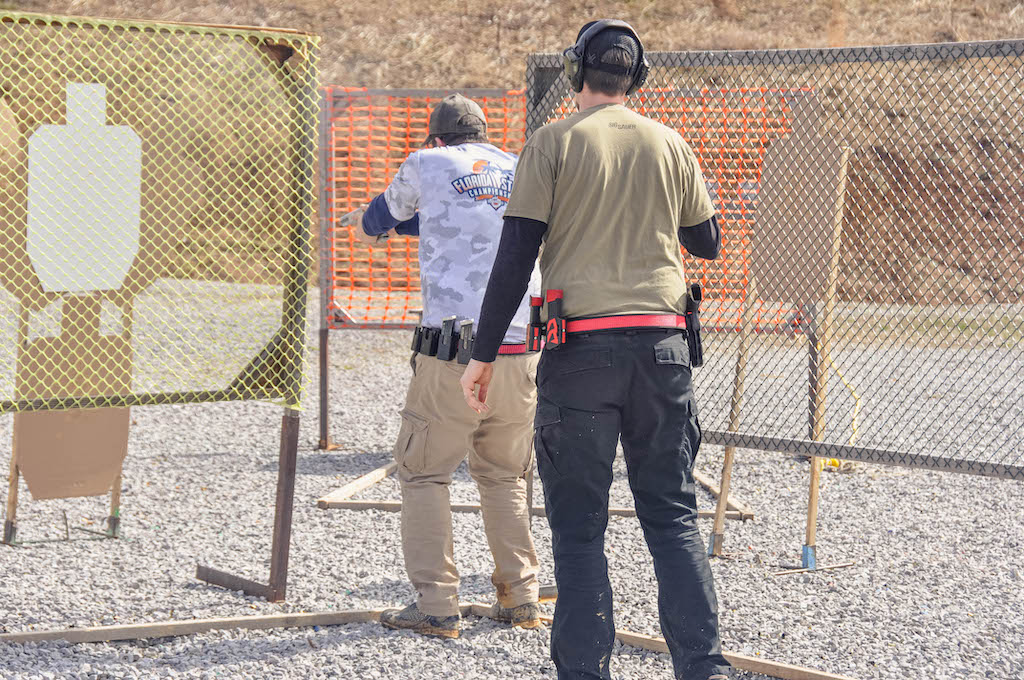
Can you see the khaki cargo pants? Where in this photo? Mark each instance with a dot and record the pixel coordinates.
(438, 431)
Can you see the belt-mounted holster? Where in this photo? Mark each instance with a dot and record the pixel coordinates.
(535, 330)
(693, 300)
(554, 336)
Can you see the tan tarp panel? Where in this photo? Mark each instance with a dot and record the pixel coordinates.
(791, 246)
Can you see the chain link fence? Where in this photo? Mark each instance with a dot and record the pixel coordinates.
(868, 303)
(156, 195)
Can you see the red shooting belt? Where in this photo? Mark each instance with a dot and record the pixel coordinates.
(605, 323)
(513, 349)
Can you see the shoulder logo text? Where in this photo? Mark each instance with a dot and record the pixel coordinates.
(487, 183)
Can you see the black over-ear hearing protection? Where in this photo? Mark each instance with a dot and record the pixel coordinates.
(573, 57)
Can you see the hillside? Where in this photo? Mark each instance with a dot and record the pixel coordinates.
(483, 43)
(933, 214)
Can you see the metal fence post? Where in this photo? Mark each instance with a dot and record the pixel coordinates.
(326, 209)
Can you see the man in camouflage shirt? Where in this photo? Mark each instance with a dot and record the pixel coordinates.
(452, 194)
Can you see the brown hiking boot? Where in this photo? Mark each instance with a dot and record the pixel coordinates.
(524, 616)
(411, 618)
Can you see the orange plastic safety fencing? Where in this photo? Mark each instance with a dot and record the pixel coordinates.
(367, 134)
(730, 131)
(370, 132)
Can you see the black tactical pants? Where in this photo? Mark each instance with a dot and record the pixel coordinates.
(591, 391)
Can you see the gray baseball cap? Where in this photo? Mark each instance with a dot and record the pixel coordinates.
(456, 114)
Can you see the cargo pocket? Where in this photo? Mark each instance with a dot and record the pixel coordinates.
(673, 351)
(695, 424)
(410, 449)
(545, 436)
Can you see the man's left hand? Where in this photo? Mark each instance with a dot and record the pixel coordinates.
(476, 373)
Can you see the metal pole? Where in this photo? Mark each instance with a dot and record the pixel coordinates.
(283, 507)
(304, 134)
(717, 539)
(296, 290)
(326, 261)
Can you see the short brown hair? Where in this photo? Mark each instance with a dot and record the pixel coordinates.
(454, 139)
(611, 84)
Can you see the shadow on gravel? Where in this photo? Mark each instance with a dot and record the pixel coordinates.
(329, 464)
(203, 456)
(397, 592)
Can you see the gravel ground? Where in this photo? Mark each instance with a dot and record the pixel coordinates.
(934, 592)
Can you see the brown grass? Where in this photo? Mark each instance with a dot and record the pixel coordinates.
(483, 43)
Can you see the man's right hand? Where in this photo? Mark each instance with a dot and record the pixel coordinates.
(476, 373)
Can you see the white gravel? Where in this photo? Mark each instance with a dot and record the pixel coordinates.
(935, 592)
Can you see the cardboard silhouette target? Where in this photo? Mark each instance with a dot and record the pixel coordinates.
(84, 184)
(74, 243)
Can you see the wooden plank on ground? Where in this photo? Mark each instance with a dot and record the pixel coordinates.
(732, 502)
(138, 631)
(396, 506)
(357, 485)
(808, 570)
(752, 664)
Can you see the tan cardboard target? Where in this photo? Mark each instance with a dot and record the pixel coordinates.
(84, 183)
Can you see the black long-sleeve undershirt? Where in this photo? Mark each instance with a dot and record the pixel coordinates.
(517, 252)
(703, 240)
(510, 277)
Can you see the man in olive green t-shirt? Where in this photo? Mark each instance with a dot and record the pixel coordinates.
(611, 194)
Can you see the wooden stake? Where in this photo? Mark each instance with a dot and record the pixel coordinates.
(11, 518)
(824, 336)
(10, 536)
(357, 485)
(114, 519)
(739, 380)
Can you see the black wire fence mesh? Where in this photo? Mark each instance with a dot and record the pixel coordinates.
(869, 301)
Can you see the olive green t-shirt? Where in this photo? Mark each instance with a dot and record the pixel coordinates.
(613, 187)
